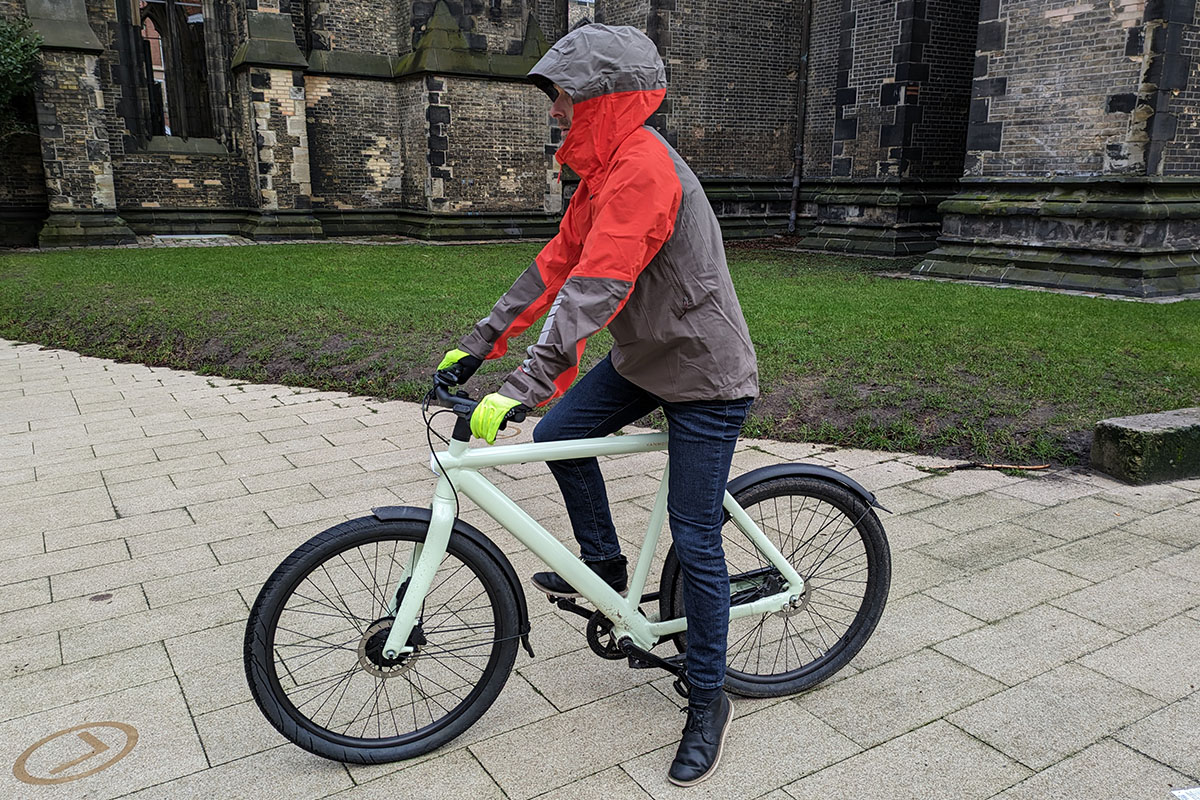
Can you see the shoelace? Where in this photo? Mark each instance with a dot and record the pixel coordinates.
(695, 718)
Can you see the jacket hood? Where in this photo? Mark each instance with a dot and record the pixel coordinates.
(615, 79)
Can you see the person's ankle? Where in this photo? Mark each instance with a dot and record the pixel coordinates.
(701, 697)
(614, 571)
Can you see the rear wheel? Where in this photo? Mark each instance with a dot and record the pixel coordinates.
(836, 543)
(314, 644)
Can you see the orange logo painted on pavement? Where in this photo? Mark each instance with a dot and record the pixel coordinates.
(75, 753)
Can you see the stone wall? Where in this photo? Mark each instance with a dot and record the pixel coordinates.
(363, 26)
(732, 109)
(823, 76)
(1175, 56)
(22, 180)
(1081, 170)
(942, 132)
(489, 163)
(193, 180)
(1054, 87)
(23, 204)
(732, 68)
(74, 130)
(1077, 123)
(355, 129)
(415, 97)
(887, 106)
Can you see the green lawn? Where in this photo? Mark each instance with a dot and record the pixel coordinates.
(846, 355)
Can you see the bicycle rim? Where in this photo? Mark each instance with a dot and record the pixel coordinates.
(824, 544)
(327, 670)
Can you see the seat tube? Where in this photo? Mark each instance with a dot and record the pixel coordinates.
(653, 531)
(427, 557)
(763, 544)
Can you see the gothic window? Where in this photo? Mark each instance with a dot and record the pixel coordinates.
(175, 60)
(173, 68)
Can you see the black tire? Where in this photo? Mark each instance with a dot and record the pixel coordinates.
(836, 543)
(314, 640)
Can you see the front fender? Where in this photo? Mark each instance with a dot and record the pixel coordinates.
(461, 528)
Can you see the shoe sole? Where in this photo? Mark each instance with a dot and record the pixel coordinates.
(716, 761)
(566, 595)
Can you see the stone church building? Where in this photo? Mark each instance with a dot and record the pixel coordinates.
(1049, 142)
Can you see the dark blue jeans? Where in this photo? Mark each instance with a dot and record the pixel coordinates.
(702, 436)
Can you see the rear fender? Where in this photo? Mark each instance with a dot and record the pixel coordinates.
(798, 470)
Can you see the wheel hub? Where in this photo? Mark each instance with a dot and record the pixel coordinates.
(797, 603)
(370, 650)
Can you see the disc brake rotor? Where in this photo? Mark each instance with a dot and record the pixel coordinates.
(798, 604)
(370, 651)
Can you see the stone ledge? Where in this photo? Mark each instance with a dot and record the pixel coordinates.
(63, 25)
(1149, 448)
(19, 225)
(194, 145)
(1133, 274)
(76, 227)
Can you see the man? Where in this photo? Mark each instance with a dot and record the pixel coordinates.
(639, 251)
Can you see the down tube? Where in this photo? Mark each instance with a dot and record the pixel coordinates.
(621, 611)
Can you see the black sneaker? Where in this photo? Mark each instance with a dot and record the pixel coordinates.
(613, 571)
(702, 743)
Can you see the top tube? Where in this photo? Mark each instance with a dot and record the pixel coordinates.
(481, 457)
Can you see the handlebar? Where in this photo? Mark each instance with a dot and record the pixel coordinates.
(462, 404)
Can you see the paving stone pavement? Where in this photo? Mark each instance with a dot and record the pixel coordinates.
(1042, 637)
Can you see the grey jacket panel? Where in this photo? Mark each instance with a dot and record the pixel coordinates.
(682, 335)
(583, 307)
(597, 60)
(525, 290)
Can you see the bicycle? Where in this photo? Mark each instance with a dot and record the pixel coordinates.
(418, 603)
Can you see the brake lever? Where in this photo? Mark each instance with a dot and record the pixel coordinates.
(446, 379)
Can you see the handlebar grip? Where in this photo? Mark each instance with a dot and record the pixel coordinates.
(464, 406)
(458, 402)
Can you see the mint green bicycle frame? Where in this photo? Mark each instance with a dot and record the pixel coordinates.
(460, 467)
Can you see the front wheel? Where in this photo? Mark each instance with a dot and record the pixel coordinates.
(835, 542)
(314, 644)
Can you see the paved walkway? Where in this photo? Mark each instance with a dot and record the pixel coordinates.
(1042, 639)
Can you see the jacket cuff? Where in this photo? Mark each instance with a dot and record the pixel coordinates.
(519, 386)
(475, 344)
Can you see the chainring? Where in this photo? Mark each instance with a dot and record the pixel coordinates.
(598, 626)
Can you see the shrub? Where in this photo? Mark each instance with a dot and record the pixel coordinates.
(19, 44)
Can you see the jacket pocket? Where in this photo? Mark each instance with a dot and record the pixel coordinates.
(682, 300)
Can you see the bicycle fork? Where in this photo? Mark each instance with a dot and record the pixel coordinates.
(423, 565)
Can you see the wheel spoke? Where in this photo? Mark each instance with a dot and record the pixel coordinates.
(329, 628)
(825, 533)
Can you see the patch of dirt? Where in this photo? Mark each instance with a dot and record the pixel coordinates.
(881, 416)
(393, 365)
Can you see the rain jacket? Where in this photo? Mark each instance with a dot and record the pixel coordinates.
(639, 249)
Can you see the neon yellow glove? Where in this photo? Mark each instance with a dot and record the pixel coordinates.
(460, 365)
(452, 357)
(489, 415)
